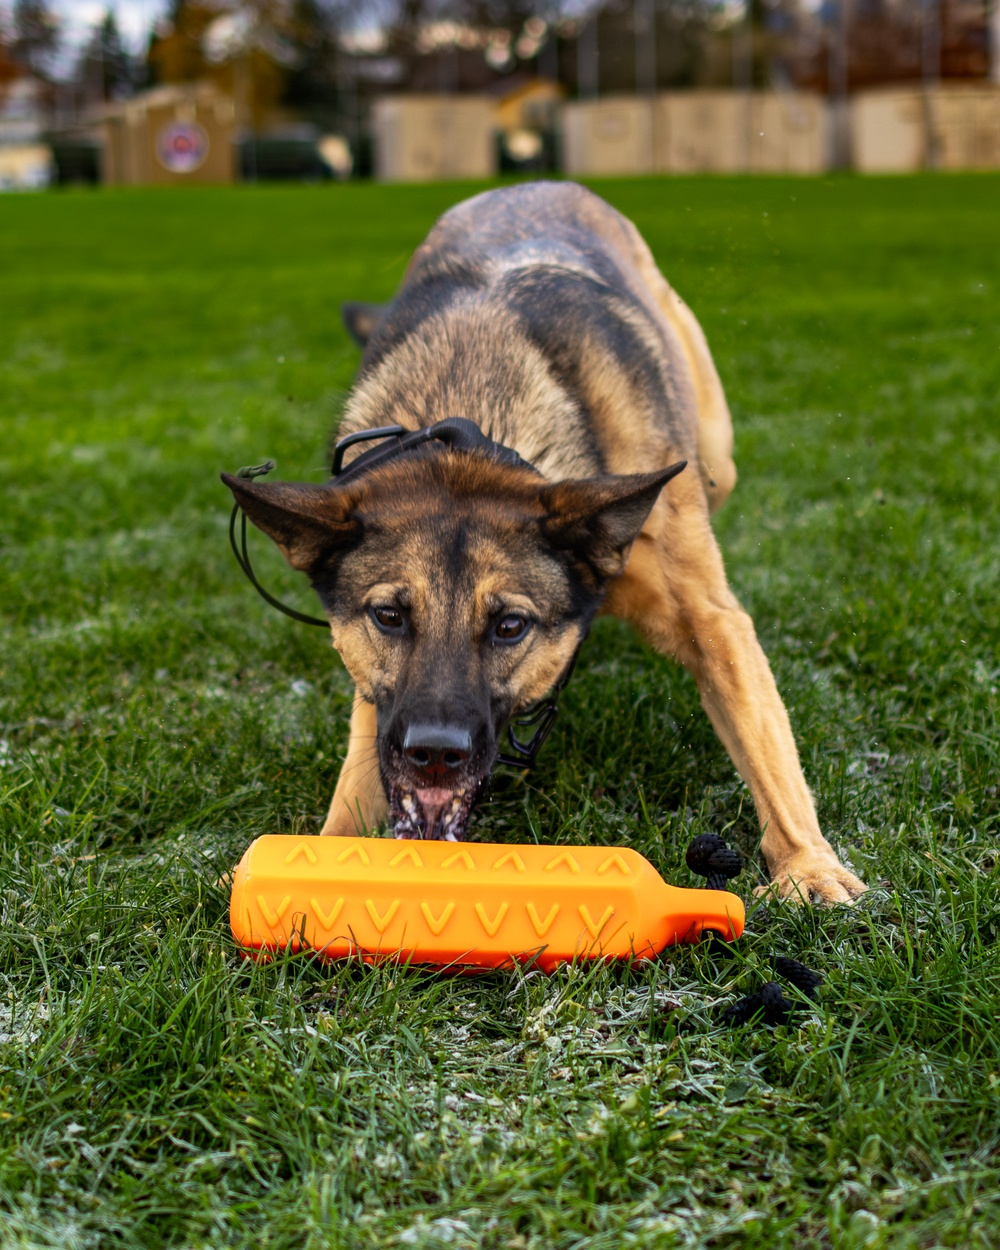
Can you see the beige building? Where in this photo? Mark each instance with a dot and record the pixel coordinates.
(789, 133)
(681, 132)
(174, 135)
(904, 129)
(421, 138)
(702, 132)
(965, 124)
(25, 167)
(25, 160)
(610, 136)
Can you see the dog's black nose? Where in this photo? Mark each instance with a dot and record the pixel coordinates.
(437, 750)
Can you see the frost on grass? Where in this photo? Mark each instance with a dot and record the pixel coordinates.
(22, 1027)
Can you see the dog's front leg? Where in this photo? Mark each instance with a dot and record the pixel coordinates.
(359, 801)
(675, 591)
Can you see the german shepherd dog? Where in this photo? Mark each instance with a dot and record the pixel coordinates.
(459, 584)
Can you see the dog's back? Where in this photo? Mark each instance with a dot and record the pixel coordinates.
(538, 312)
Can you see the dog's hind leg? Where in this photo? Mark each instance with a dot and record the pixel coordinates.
(359, 801)
(674, 591)
(715, 426)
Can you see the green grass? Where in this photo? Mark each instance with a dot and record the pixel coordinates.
(155, 716)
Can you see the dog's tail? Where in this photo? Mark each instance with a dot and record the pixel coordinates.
(361, 320)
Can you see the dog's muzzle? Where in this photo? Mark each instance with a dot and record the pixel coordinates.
(434, 782)
(433, 814)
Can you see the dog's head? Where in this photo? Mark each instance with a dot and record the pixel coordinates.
(458, 590)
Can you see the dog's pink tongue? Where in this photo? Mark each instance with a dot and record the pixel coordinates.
(432, 804)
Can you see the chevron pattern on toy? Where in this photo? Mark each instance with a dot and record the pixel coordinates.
(475, 905)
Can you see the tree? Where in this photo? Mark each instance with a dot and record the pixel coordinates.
(175, 49)
(247, 50)
(8, 68)
(314, 27)
(36, 36)
(105, 69)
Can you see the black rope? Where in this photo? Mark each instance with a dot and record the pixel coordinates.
(249, 472)
(456, 433)
(769, 1004)
(709, 856)
(459, 434)
(805, 979)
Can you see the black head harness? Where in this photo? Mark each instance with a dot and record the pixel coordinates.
(458, 434)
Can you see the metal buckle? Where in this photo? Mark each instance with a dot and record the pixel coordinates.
(542, 715)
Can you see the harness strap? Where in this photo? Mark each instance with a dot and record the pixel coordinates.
(457, 433)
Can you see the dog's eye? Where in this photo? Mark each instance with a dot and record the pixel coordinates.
(389, 620)
(510, 629)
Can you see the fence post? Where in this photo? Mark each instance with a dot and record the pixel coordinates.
(743, 78)
(931, 67)
(587, 69)
(994, 17)
(839, 72)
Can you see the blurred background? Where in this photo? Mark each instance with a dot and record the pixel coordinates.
(221, 90)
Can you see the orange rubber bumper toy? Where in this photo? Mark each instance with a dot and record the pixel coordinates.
(465, 905)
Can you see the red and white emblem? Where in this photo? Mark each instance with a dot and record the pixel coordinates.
(182, 147)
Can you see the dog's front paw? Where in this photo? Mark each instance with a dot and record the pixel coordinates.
(813, 877)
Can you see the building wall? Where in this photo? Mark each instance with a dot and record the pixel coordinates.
(702, 132)
(893, 130)
(789, 133)
(888, 131)
(907, 129)
(136, 138)
(965, 123)
(423, 138)
(697, 132)
(610, 136)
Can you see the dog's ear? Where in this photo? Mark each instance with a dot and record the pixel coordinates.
(598, 518)
(308, 523)
(360, 320)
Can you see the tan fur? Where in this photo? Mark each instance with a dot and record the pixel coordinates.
(419, 367)
(715, 426)
(674, 588)
(359, 802)
(674, 591)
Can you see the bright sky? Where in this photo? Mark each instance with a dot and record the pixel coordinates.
(135, 17)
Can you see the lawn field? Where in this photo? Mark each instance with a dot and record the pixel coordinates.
(155, 715)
